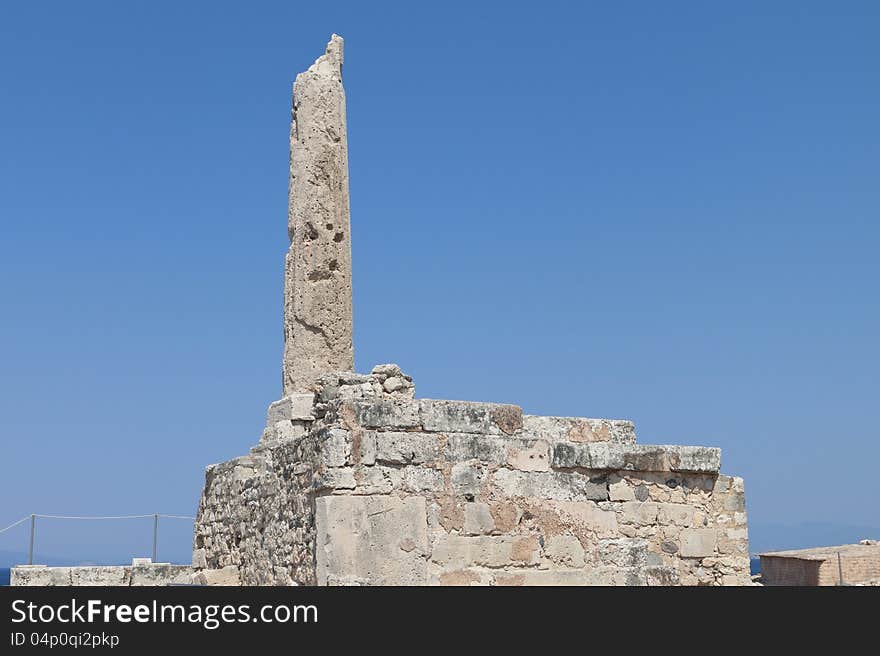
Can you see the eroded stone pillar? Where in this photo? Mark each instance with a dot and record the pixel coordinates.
(317, 284)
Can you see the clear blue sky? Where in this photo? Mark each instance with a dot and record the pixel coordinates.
(659, 211)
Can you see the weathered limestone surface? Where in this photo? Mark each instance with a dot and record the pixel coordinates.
(370, 540)
(317, 283)
(848, 564)
(382, 488)
(357, 482)
(153, 574)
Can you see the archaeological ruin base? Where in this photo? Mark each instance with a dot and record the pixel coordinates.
(356, 482)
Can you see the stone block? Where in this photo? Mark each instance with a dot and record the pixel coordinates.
(508, 418)
(297, 406)
(469, 417)
(406, 448)
(100, 575)
(469, 446)
(661, 576)
(335, 447)
(595, 576)
(380, 540)
(363, 447)
(534, 457)
(633, 457)
(377, 480)
(675, 513)
(640, 513)
(161, 574)
(478, 519)
(461, 577)
(624, 552)
(387, 414)
(335, 478)
(286, 429)
(40, 575)
(228, 575)
(458, 551)
(697, 542)
(588, 516)
(421, 480)
(468, 478)
(565, 550)
(735, 503)
(563, 486)
(579, 429)
(620, 490)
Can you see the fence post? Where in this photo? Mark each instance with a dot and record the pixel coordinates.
(155, 536)
(840, 568)
(31, 550)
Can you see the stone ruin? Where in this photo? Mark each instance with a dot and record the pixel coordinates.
(356, 482)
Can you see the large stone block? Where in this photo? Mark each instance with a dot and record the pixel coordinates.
(624, 552)
(698, 542)
(405, 448)
(478, 519)
(100, 575)
(640, 513)
(527, 455)
(468, 417)
(335, 447)
(468, 479)
(160, 574)
(634, 457)
(422, 480)
(565, 550)
(298, 406)
(40, 575)
(594, 576)
(579, 429)
(228, 575)
(563, 486)
(458, 551)
(470, 446)
(374, 540)
(387, 414)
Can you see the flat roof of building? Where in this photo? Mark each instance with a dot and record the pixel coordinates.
(824, 553)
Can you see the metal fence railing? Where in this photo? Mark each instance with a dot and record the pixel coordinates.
(34, 516)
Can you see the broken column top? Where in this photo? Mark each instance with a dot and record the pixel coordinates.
(317, 285)
(330, 63)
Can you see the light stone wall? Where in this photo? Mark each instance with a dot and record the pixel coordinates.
(155, 574)
(858, 563)
(356, 482)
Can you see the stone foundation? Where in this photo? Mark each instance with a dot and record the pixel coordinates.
(137, 574)
(359, 483)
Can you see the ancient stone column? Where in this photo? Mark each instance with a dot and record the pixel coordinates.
(317, 283)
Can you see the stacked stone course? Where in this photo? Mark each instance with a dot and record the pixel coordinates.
(359, 483)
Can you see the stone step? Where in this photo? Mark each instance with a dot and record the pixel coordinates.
(636, 457)
(445, 416)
